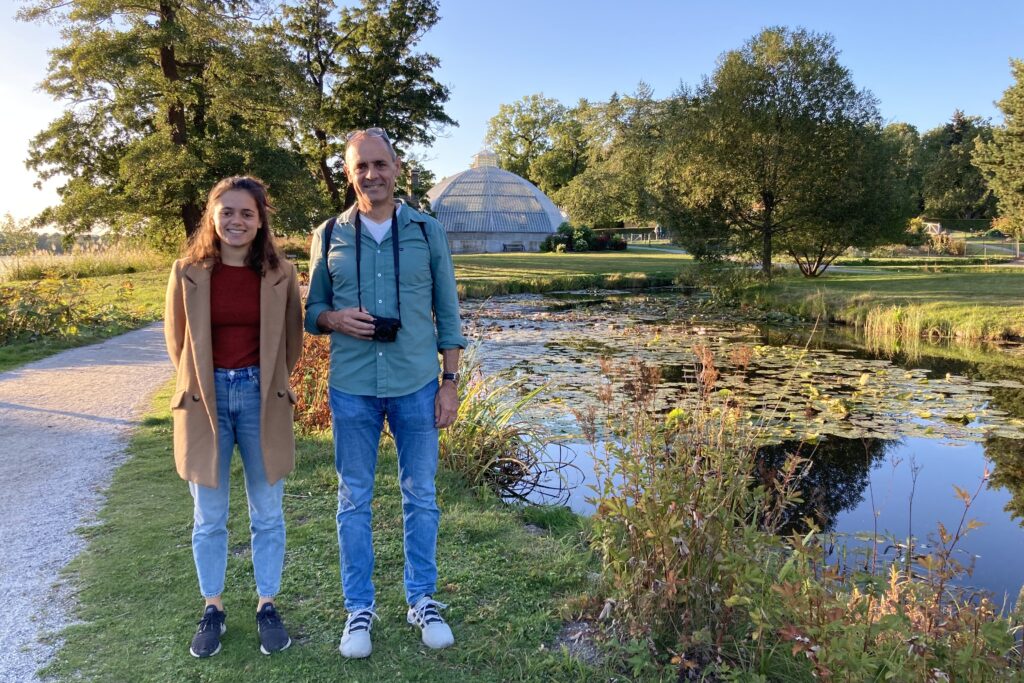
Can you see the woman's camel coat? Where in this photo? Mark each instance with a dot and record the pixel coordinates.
(190, 346)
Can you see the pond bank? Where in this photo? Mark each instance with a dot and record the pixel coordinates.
(986, 305)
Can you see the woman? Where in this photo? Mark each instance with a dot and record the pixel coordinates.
(233, 326)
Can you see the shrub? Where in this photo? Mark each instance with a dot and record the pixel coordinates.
(580, 245)
(559, 248)
(694, 575)
(617, 243)
(58, 309)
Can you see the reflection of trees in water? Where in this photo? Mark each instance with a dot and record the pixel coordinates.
(1008, 457)
(836, 481)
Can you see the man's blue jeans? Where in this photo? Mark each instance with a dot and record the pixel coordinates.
(238, 421)
(358, 421)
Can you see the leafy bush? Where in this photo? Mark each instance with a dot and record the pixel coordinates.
(553, 241)
(580, 245)
(58, 309)
(617, 243)
(16, 237)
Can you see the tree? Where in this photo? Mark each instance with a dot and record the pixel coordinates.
(573, 148)
(164, 98)
(615, 185)
(1001, 159)
(521, 132)
(16, 236)
(865, 204)
(952, 187)
(361, 71)
(747, 155)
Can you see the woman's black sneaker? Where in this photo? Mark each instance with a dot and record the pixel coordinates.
(273, 636)
(206, 642)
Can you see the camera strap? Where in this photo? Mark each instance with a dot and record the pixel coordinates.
(394, 249)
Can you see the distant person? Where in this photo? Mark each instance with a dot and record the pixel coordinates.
(233, 326)
(386, 294)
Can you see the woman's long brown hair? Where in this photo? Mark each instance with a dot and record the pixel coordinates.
(205, 244)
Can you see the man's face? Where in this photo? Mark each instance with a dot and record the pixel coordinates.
(371, 171)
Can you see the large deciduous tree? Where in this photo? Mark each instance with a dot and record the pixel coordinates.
(1001, 159)
(521, 132)
(755, 149)
(952, 187)
(163, 97)
(615, 185)
(359, 69)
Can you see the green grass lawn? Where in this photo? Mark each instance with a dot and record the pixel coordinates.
(486, 274)
(984, 303)
(139, 599)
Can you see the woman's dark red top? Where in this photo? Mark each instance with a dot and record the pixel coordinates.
(235, 316)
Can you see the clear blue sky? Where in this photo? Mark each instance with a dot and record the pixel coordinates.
(921, 59)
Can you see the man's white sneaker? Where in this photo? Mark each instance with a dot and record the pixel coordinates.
(435, 633)
(355, 643)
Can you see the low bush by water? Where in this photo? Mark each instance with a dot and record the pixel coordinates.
(697, 580)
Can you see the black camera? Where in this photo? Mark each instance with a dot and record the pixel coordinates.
(386, 329)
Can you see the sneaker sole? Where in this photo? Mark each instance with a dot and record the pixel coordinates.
(267, 652)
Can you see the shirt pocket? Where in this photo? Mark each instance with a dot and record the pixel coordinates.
(414, 263)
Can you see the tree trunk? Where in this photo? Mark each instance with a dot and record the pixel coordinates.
(190, 211)
(191, 216)
(766, 250)
(325, 171)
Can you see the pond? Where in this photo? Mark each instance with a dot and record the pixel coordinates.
(891, 432)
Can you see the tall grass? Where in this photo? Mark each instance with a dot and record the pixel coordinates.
(83, 262)
(490, 444)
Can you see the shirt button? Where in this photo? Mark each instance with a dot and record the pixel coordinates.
(380, 353)
(380, 301)
(378, 274)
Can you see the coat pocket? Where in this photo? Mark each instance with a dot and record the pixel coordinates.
(178, 400)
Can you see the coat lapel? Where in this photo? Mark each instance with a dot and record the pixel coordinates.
(273, 301)
(197, 313)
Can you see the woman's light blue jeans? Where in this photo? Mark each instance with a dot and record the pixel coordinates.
(238, 422)
(358, 421)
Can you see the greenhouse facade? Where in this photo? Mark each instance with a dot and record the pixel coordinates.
(487, 209)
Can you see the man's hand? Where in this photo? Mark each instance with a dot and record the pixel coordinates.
(446, 405)
(355, 322)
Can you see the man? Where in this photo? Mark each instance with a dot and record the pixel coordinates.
(386, 370)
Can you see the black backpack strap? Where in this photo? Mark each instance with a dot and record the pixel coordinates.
(328, 231)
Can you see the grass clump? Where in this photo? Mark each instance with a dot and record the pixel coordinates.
(969, 306)
(117, 259)
(702, 581)
(138, 599)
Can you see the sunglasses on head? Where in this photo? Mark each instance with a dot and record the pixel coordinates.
(372, 132)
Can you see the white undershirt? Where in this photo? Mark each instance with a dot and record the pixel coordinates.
(379, 230)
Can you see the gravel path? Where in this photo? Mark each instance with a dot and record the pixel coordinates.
(64, 423)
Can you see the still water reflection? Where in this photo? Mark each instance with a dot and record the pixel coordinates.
(894, 430)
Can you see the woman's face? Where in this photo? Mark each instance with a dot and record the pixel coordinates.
(236, 220)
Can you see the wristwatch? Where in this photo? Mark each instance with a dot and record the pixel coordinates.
(451, 377)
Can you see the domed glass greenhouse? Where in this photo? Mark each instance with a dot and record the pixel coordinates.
(487, 209)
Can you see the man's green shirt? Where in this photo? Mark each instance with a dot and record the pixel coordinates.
(430, 303)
